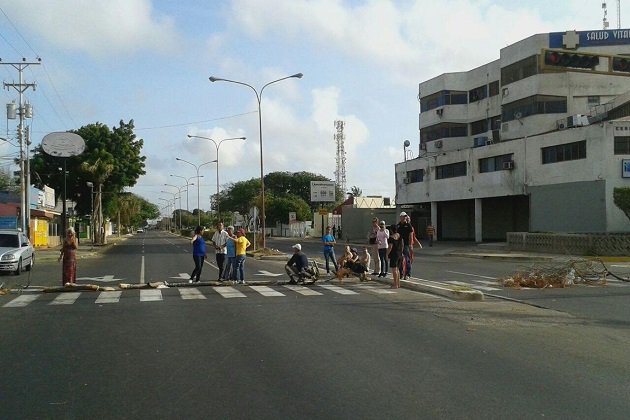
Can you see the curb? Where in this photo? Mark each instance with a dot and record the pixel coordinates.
(441, 289)
(504, 257)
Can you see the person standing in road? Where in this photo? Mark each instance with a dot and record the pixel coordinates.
(230, 254)
(406, 232)
(395, 254)
(242, 244)
(374, 246)
(382, 242)
(329, 251)
(430, 233)
(199, 254)
(69, 255)
(219, 239)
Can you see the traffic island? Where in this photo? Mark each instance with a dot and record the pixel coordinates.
(440, 289)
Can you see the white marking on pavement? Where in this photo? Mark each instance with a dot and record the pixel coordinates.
(66, 298)
(266, 291)
(267, 273)
(150, 295)
(106, 278)
(142, 271)
(109, 297)
(182, 276)
(228, 292)
(472, 275)
(375, 289)
(191, 293)
(338, 289)
(302, 290)
(472, 286)
(20, 301)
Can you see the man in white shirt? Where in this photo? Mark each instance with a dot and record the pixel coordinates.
(219, 240)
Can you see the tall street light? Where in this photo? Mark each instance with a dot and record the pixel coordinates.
(168, 209)
(197, 169)
(174, 205)
(179, 190)
(260, 136)
(216, 145)
(187, 183)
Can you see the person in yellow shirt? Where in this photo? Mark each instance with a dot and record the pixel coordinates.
(242, 244)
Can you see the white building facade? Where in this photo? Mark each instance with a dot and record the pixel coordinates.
(535, 141)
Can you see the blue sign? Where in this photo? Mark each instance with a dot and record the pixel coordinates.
(8, 222)
(576, 39)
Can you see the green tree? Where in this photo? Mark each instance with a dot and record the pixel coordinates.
(9, 183)
(278, 208)
(356, 191)
(240, 196)
(621, 197)
(117, 147)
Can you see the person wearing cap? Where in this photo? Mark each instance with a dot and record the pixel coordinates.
(297, 266)
(230, 254)
(382, 241)
(406, 233)
(241, 244)
(374, 246)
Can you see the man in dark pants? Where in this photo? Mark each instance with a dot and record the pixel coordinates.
(406, 232)
(219, 240)
(297, 266)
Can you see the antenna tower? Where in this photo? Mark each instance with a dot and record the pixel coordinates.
(605, 20)
(340, 172)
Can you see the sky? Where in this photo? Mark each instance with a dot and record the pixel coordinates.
(150, 60)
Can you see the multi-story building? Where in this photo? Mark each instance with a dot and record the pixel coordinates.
(535, 141)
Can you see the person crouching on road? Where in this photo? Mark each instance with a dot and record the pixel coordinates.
(241, 244)
(199, 254)
(297, 266)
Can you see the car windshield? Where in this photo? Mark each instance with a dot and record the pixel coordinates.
(8, 240)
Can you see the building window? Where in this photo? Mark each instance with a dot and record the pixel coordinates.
(622, 145)
(445, 97)
(519, 70)
(451, 170)
(495, 163)
(564, 152)
(493, 88)
(415, 176)
(478, 127)
(478, 94)
(538, 104)
(593, 100)
(443, 130)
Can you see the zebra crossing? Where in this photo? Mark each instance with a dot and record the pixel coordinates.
(191, 293)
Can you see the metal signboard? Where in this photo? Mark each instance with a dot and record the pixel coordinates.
(323, 191)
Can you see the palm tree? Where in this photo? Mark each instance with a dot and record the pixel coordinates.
(99, 171)
(356, 191)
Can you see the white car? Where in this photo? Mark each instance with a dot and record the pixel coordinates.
(16, 251)
(140, 230)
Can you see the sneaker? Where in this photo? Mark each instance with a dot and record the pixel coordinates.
(190, 281)
(376, 273)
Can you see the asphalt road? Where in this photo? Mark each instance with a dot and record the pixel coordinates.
(356, 351)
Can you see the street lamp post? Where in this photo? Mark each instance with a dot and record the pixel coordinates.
(217, 145)
(187, 183)
(168, 207)
(260, 136)
(91, 185)
(197, 169)
(179, 190)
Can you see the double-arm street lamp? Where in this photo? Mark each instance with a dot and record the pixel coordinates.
(216, 145)
(197, 169)
(187, 180)
(174, 204)
(168, 209)
(260, 136)
(179, 190)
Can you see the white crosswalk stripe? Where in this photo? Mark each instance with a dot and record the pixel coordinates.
(229, 292)
(20, 301)
(376, 289)
(109, 297)
(305, 291)
(188, 294)
(66, 298)
(150, 295)
(338, 289)
(266, 291)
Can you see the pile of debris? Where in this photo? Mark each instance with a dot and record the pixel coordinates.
(575, 271)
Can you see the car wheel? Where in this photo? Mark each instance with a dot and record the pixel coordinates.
(18, 270)
(30, 266)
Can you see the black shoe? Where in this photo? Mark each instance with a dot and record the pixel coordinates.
(292, 282)
(376, 274)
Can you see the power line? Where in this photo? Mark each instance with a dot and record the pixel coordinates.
(195, 122)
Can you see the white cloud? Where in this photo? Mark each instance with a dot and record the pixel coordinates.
(99, 28)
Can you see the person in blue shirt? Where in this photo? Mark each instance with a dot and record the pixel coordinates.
(199, 254)
(228, 272)
(329, 251)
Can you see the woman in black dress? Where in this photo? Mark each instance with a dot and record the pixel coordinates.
(394, 253)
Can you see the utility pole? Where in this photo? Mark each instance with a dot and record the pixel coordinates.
(24, 111)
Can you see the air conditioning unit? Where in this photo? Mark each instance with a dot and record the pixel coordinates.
(577, 120)
(505, 127)
(561, 124)
(439, 111)
(438, 144)
(406, 180)
(509, 165)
